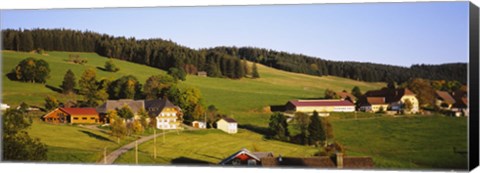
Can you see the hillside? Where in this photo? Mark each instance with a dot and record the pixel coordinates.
(245, 99)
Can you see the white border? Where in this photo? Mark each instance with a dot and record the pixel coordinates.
(54, 4)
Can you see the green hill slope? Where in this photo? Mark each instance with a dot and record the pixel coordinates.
(246, 99)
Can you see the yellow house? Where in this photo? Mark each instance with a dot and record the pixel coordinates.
(228, 125)
(373, 104)
(166, 114)
(331, 105)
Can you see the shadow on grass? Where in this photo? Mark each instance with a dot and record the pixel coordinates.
(58, 90)
(278, 108)
(188, 161)
(260, 130)
(90, 134)
(101, 68)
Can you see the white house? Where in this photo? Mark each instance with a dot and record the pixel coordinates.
(4, 106)
(199, 124)
(228, 125)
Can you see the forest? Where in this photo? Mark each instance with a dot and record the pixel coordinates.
(218, 61)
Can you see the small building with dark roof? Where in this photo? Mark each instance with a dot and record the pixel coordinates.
(340, 161)
(344, 95)
(396, 99)
(444, 100)
(326, 105)
(245, 157)
(228, 125)
(372, 104)
(111, 105)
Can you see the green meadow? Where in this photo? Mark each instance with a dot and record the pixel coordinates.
(423, 142)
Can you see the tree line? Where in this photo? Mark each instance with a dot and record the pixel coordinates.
(218, 61)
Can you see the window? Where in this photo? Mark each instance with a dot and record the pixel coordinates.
(92, 118)
(84, 118)
(75, 118)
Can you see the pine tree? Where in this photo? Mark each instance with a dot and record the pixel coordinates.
(316, 130)
(356, 92)
(69, 82)
(255, 71)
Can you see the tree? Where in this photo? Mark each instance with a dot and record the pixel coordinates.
(316, 130)
(212, 115)
(117, 125)
(137, 127)
(330, 94)
(51, 103)
(143, 114)
(356, 92)
(198, 112)
(110, 66)
(69, 82)
(423, 90)
(278, 127)
(302, 120)
(126, 87)
(17, 145)
(177, 74)
(125, 112)
(255, 71)
(246, 67)
(32, 70)
(156, 86)
(407, 105)
(88, 87)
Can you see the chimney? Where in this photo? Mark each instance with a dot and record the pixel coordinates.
(339, 160)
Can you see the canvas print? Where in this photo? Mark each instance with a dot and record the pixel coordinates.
(319, 86)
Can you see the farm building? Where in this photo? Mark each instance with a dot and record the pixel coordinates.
(320, 106)
(372, 104)
(199, 124)
(396, 98)
(202, 73)
(444, 100)
(460, 107)
(339, 161)
(110, 105)
(165, 113)
(245, 157)
(72, 116)
(228, 125)
(344, 95)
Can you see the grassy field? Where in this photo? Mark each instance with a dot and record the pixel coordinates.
(409, 142)
(246, 100)
(422, 142)
(209, 147)
(73, 144)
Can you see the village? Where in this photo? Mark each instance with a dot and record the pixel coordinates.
(167, 116)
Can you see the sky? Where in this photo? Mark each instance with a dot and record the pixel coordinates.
(388, 33)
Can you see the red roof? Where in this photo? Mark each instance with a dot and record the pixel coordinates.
(300, 103)
(376, 100)
(80, 111)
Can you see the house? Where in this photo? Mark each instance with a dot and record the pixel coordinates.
(4, 107)
(344, 95)
(372, 104)
(199, 124)
(460, 107)
(166, 114)
(339, 161)
(111, 105)
(202, 73)
(444, 100)
(331, 105)
(396, 99)
(245, 157)
(72, 116)
(228, 125)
